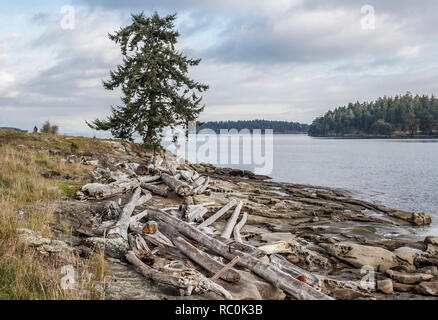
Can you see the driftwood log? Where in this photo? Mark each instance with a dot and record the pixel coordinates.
(121, 227)
(218, 214)
(234, 245)
(271, 273)
(195, 213)
(232, 221)
(104, 191)
(225, 269)
(238, 227)
(284, 265)
(204, 260)
(155, 189)
(188, 280)
(148, 179)
(181, 188)
(201, 189)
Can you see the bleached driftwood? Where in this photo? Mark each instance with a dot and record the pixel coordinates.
(186, 174)
(148, 179)
(195, 213)
(218, 214)
(140, 248)
(155, 189)
(238, 227)
(276, 247)
(271, 273)
(195, 175)
(234, 245)
(284, 265)
(108, 176)
(188, 280)
(128, 168)
(134, 222)
(202, 187)
(181, 188)
(158, 239)
(205, 261)
(104, 227)
(225, 269)
(104, 191)
(138, 216)
(111, 210)
(121, 227)
(144, 198)
(232, 221)
(198, 182)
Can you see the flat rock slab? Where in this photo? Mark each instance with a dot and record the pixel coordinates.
(409, 278)
(278, 236)
(359, 255)
(427, 288)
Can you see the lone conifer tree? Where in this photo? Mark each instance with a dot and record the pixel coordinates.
(157, 92)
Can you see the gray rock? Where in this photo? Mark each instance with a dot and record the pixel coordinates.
(409, 278)
(278, 236)
(57, 249)
(431, 240)
(428, 258)
(385, 286)
(427, 288)
(401, 287)
(407, 256)
(359, 255)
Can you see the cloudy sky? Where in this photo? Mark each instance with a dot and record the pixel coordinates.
(278, 60)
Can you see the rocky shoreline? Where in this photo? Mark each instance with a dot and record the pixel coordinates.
(355, 249)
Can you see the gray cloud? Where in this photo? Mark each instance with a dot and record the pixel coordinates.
(276, 60)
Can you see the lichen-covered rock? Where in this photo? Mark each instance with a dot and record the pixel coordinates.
(57, 250)
(43, 245)
(114, 247)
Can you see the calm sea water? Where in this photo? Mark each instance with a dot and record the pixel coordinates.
(402, 174)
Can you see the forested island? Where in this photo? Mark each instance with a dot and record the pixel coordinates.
(402, 115)
(277, 126)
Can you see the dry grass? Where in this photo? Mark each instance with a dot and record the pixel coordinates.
(24, 273)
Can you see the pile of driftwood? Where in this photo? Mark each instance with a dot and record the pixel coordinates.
(182, 232)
